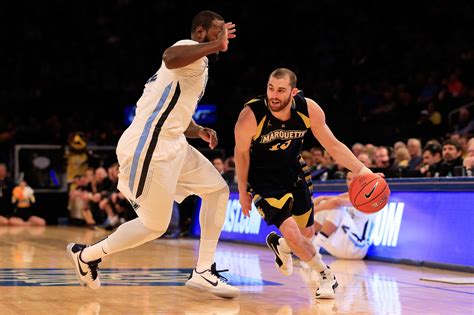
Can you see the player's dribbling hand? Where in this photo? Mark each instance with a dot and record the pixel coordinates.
(228, 32)
(366, 170)
(209, 135)
(246, 203)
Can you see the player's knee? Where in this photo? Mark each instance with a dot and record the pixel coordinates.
(292, 235)
(156, 227)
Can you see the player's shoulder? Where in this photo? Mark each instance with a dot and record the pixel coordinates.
(257, 105)
(255, 101)
(183, 42)
(300, 102)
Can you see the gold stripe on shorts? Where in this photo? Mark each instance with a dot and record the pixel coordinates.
(302, 219)
(279, 203)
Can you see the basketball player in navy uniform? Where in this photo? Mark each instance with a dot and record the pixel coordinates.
(271, 172)
(158, 166)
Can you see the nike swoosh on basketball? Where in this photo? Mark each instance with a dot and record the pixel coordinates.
(372, 191)
(213, 283)
(80, 269)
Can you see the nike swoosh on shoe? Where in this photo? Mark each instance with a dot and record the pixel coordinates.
(278, 259)
(80, 268)
(212, 283)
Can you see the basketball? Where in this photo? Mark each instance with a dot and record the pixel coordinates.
(369, 193)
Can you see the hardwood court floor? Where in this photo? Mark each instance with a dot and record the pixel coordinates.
(36, 278)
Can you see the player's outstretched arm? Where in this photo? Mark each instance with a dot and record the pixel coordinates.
(333, 202)
(182, 55)
(245, 129)
(335, 148)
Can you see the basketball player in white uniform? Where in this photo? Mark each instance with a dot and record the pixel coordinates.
(158, 166)
(344, 232)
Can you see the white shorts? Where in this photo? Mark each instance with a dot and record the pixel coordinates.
(343, 243)
(174, 171)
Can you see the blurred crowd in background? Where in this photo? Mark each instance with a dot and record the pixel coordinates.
(397, 88)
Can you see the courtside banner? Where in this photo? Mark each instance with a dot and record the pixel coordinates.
(422, 227)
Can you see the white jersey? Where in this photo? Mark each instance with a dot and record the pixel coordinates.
(351, 240)
(169, 99)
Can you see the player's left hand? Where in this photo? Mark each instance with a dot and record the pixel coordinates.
(209, 135)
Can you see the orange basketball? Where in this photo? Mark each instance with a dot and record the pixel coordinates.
(369, 193)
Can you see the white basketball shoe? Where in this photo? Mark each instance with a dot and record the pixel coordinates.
(327, 285)
(86, 272)
(283, 261)
(211, 281)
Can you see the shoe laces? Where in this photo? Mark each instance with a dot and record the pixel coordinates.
(215, 272)
(93, 266)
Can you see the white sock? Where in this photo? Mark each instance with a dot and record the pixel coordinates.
(316, 263)
(128, 235)
(207, 250)
(211, 219)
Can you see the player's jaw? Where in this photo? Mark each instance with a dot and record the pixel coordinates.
(277, 105)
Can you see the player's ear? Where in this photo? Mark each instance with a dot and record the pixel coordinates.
(200, 33)
(294, 91)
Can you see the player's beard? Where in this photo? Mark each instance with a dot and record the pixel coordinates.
(212, 58)
(283, 104)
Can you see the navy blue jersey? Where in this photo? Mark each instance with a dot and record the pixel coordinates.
(275, 149)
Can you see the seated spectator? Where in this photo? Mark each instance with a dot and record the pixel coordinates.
(357, 148)
(229, 171)
(402, 157)
(370, 149)
(93, 214)
(79, 197)
(399, 144)
(325, 168)
(432, 160)
(365, 159)
(462, 140)
(414, 148)
(113, 203)
(318, 154)
(338, 171)
(23, 198)
(468, 162)
(383, 164)
(218, 163)
(342, 230)
(452, 159)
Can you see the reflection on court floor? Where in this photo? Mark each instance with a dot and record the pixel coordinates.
(114, 277)
(37, 278)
